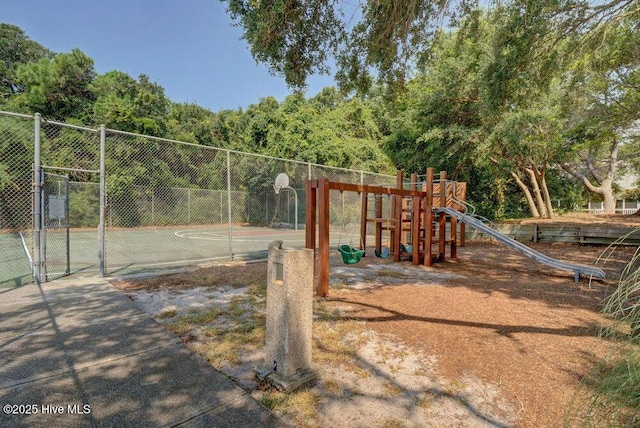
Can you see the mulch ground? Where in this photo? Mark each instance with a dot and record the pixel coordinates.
(518, 324)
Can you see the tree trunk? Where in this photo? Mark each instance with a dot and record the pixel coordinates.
(605, 189)
(541, 176)
(609, 199)
(604, 185)
(536, 192)
(527, 194)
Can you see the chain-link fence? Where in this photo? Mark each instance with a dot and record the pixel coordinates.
(55, 235)
(148, 202)
(16, 161)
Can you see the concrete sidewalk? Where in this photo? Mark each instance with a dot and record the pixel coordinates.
(79, 353)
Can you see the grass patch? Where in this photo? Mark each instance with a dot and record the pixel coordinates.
(390, 273)
(179, 327)
(302, 405)
(330, 347)
(272, 399)
(167, 313)
(614, 391)
(188, 322)
(613, 386)
(305, 402)
(391, 389)
(426, 401)
(222, 352)
(392, 423)
(455, 387)
(333, 387)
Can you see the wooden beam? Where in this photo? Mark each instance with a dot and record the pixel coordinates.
(363, 221)
(396, 230)
(396, 209)
(378, 190)
(310, 219)
(442, 233)
(428, 218)
(323, 236)
(416, 217)
(462, 195)
(378, 208)
(310, 214)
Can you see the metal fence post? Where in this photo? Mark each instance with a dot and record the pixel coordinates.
(68, 219)
(103, 197)
(37, 259)
(229, 204)
(43, 230)
(189, 206)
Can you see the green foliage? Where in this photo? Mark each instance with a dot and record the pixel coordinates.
(15, 173)
(614, 392)
(129, 105)
(291, 37)
(297, 39)
(613, 386)
(16, 49)
(84, 206)
(58, 88)
(624, 302)
(387, 37)
(192, 124)
(328, 129)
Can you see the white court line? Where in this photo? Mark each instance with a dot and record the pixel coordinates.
(212, 236)
(136, 265)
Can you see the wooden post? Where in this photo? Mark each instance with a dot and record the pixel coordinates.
(416, 217)
(323, 236)
(453, 235)
(442, 232)
(462, 188)
(310, 214)
(378, 223)
(415, 221)
(396, 204)
(363, 222)
(311, 187)
(428, 218)
(397, 227)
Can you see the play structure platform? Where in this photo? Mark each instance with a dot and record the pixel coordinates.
(420, 222)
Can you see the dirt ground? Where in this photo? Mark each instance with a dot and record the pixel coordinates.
(513, 323)
(488, 339)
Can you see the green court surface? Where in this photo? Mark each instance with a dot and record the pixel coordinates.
(14, 265)
(146, 249)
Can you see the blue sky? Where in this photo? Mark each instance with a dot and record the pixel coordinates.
(188, 47)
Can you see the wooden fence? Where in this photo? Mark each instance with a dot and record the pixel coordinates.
(577, 234)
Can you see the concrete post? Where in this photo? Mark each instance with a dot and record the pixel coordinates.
(289, 318)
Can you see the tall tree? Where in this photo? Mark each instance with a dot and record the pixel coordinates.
(296, 39)
(129, 105)
(604, 111)
(477, 102)
(58, 88)
(16, 49)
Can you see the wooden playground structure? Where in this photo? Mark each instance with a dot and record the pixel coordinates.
(416, 230)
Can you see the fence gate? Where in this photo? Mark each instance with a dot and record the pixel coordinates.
(54, 241)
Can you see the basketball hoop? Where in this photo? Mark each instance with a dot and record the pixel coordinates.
(282, 181)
